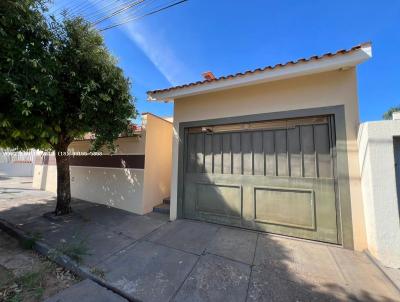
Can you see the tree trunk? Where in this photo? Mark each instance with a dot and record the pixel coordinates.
(63, 181)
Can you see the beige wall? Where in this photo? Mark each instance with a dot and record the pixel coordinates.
(135, 190)
(320, 90)
(157, 173)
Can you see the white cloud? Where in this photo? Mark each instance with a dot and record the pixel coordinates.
(155, 46)
(159, 52)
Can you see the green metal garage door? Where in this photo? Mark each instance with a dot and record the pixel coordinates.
(273, 176)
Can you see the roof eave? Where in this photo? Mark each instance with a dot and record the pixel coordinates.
(336, 62)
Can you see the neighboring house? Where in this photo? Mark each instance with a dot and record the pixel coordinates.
(272, 149)
(135, 178)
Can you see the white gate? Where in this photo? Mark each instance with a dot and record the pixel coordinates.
(17, 163)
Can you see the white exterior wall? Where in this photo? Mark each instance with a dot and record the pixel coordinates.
(114, 187)
(381, 205)
(16, 169)
(134, 190)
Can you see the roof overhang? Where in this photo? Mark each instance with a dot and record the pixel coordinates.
(302, 67)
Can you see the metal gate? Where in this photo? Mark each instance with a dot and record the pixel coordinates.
(274, 176)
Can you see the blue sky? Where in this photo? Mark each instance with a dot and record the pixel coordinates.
(175, 46)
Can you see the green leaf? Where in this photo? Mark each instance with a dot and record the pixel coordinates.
(25, 112)
(15, 133)
(53, 140)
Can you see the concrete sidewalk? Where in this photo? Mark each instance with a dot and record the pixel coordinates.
(151, 259)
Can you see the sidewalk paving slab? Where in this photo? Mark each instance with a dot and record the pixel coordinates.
(86, 291)
(234, 244)
(98, 241)
(148, 271)
(215, 279)
(139, 226)
(186, 235)
(104, 215)
(364, 280)
(267, 286)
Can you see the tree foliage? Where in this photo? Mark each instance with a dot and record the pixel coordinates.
(26, 80)
(58, 81)
(388, 114)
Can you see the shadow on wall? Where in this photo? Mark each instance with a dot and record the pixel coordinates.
(115, 187)
(112, 187)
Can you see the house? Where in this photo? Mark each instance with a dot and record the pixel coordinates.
(272, 149)
(135, 178)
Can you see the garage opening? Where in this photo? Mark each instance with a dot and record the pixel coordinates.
(275, 176)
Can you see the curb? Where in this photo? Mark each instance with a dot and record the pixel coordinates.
(62, 260)
(379, 266)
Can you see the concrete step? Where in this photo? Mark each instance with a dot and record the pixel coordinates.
(161, 208)
(166, 200)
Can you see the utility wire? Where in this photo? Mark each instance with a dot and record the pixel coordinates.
(105, 9)
(73, 5)
(56, 7)
(133, 12)
(81, 9)
(142, 16)
(117, 12)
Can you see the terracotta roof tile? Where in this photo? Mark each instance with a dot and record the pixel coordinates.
(280, 65)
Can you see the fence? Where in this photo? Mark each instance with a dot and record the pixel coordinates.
(17, 163)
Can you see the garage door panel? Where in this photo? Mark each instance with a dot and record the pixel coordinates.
(281, 152)
(285, 206)
(208, 155)
(236, 153)
(322, 149)
(258, 153)
(269, 150)
(221, 199)
(294, 152)
(246, 149)
(278, 179)
(217, 153)
(226, 154)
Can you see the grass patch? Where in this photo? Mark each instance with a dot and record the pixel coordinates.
(29, 286)
(76, 250)
(98, 272)
(29, 243)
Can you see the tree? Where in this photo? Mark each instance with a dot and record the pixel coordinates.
(58, 82)
(25, 71)
(388, 114)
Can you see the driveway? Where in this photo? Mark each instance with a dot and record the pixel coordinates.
(151, 259)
